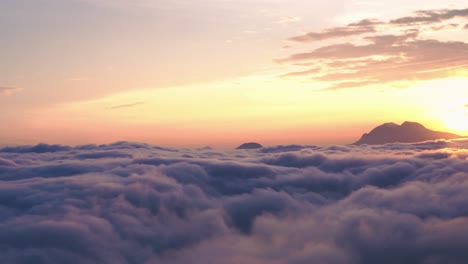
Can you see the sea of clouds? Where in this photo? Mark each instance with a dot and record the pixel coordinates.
(138, 203)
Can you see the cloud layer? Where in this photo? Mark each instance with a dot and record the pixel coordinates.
(391, 52)
(138, 203)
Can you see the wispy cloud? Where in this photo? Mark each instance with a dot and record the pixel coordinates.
(127, 4)
(8, 90)
(381, 52)
(333, 33)
(358, 28)
(431, 16)
(127, 105)
(289, 19)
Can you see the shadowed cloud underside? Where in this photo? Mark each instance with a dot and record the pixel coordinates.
(139, 203)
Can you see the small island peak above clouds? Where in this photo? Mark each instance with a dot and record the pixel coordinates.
(250, 145)
(407, 132)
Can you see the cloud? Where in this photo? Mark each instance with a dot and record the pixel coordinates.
(445, 27)
(137, 203)
(40, 148)
(336, 32)
(8, 90)
(127, 105)
(281, 148)
(103, 154)
(289, 19)
(366, 22)
(383, 52)
(431, 16)
(7, 163)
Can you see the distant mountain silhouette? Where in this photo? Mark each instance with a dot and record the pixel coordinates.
(205, 148)
(408, 132)
(250, 145)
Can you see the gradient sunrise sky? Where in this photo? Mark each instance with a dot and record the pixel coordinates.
(222, 72)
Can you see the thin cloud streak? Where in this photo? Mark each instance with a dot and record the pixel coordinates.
(8, 90)
(337, 32)
(431, 16)
(127, 105)
(289, 19)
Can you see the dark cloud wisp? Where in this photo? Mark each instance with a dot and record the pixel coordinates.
(127, 105)
(333, 33)
(7, 90)
(431, 16)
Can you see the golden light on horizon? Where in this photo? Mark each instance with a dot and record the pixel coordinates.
(284, 77)
(445, 103)
(457, 121)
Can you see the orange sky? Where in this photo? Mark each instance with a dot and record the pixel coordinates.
(278, 72)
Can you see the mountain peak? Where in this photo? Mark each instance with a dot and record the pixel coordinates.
(407, 132)
(390, 124)
(411, 124)
(250, 145)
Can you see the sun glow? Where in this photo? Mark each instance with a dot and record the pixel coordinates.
(457, 121)
(447, 107)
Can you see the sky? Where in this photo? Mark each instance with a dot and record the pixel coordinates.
(223, 72)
